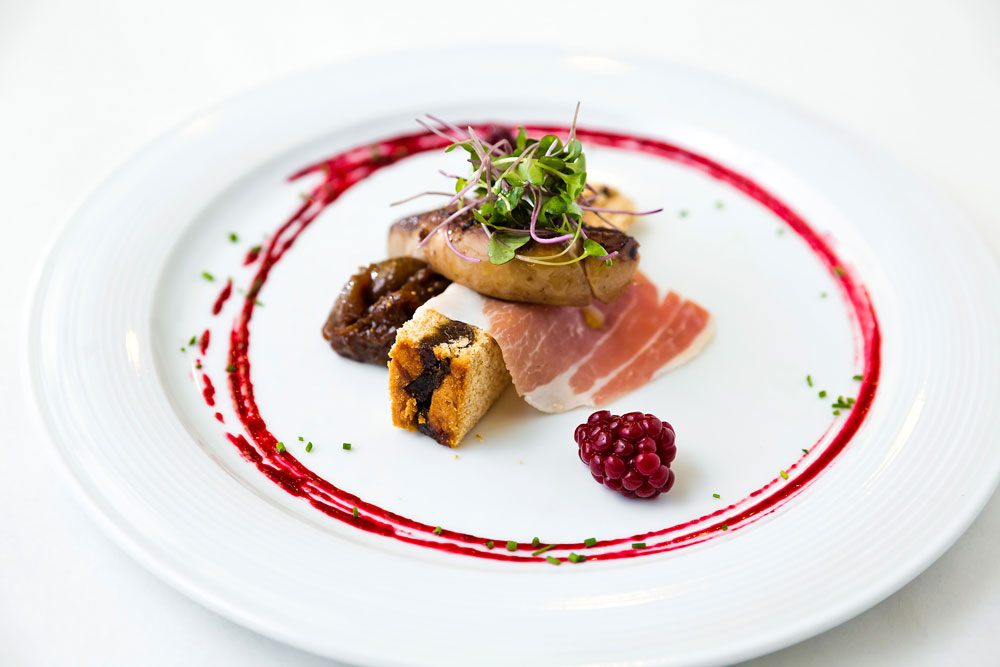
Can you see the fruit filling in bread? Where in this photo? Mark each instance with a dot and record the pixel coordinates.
(443, 376)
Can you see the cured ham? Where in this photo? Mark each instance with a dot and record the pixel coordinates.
(558, 361)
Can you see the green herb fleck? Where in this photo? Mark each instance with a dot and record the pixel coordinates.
(720, 204)
(208, 276)
(197, 364)
(309, 446)
(194, 339)
(355, 512)
(489, 544)
(716, 495)
(638, 545)
(543, 550)
(553, 560)
(280, 447)
(724, 527)
(230, 368)
(822, 394)
(301, 439)
(859, 378)
(809, 380)
(347, 445)
(781, 231)
(836, 413)
(233, 238)
(589, 542)
(511, 545)
(823, 295)
(839, 270)
(183, 349)
(784, 475)
(805, 451)
(683, 213)
(576, 558)
(437, 530)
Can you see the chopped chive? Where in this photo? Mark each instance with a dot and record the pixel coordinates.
(576, 558)
(724, 527)
(784, 475)
(805, 451)
(347, 445)
(535, 541)
(197, 364)
(858, 377)
(437, 530)
(489, 544)
(838, 270)
(183, 349)
(822, 394)
(809, 380)
(230, 368)
(589, 542)
(638, 545)
(511, 545)
(301, 439)
(233, 238)
(355, 512)
(309, 446)
(836, 413)
(208, 276)
(543, 550)
(553, 560)
(280, 447)
(716, 495)
(850, 402)
(194, 339)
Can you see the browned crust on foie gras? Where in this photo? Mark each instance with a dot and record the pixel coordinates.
(568, 285)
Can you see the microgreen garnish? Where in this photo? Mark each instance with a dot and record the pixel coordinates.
(309, 446)
(859, 378)
(543, 550)
(553, 560)
(280, 447)
(208, 276)
(809, 380)
(437, 530)
(638, 545)
(716, 495)
(576, 558)
(511, 545)
(233, 238)
(347, 445)
(489, 544)
(589, 542)
(531, 190)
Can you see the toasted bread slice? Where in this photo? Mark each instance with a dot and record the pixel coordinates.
(443, 376)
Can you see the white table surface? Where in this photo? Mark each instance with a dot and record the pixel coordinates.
(85, 84)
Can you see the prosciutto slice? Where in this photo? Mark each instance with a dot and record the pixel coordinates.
(558, 361)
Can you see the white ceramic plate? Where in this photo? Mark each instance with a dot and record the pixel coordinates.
(768, 563)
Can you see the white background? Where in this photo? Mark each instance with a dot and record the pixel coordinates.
(85, 84)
